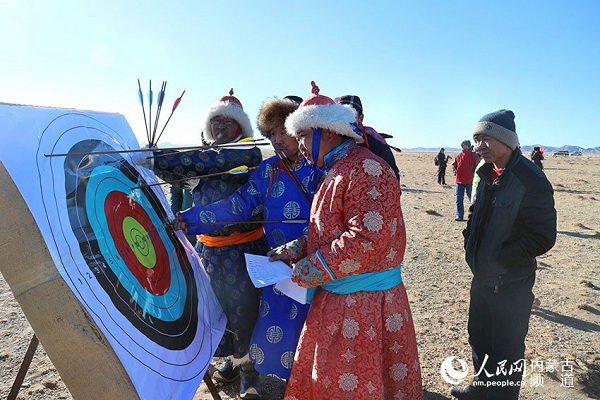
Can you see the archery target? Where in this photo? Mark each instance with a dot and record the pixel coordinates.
(131, 252)
(142, 283)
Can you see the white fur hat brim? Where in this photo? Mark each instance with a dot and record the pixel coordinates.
(335, 117)
(229, 110)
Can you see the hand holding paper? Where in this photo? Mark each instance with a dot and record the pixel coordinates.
(263, 272)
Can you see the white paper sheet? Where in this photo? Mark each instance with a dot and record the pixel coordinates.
(292, 290)
(263, 272)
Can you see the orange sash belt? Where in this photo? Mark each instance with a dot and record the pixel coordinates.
(234, 238)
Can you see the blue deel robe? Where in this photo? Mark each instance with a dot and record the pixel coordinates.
(225, 265)
(270, 192)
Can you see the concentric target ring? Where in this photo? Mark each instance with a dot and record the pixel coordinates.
(138, 242)
(142, 284)
(142, 267)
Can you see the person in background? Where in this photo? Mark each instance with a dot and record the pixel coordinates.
(358, 340)
(511, 222)
(277, 190)
(475, 154)
(374, 141)
(441, 161)
(464, 168)
(537, 155)
(222, 249)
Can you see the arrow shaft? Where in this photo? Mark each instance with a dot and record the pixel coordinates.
(184, 148)
(292, 175)
(189, 178)
(159, 102)
(284, 221)
(150, 110)
(175, 105)
(143, 109)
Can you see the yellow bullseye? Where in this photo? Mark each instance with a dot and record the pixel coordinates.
(139, 241)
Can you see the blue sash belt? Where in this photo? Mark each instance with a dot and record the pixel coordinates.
(367, 282)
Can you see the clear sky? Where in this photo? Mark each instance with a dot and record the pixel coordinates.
(425, 70)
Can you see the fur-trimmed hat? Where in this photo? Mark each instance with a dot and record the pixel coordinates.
(273, 113)
(499, 125)
(352, 100)
(230, 107)
(295, 99)
(320, 111)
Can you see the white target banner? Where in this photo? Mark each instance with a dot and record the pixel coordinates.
(108, 233)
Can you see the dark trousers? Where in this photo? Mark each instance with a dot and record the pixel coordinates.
(441, 176)
(498, 324)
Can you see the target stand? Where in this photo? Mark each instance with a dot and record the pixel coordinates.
(14, 390)
(33, 345)
(52, 309)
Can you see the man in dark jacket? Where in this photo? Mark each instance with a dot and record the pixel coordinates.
(512, 221)
(441, 160)
(537, 155)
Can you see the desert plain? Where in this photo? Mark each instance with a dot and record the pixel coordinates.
(563, 344)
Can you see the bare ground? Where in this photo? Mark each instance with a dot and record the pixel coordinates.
(566, 326)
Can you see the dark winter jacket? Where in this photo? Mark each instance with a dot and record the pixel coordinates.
(441, 160)
(383, 150)
(511, 222)
(537, 157)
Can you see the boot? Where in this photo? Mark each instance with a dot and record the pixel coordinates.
(228, 373)
(249, 382)
(468, 392)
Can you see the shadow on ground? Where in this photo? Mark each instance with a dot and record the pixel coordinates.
(566, 320)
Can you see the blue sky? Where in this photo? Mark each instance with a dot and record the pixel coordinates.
(425, 70)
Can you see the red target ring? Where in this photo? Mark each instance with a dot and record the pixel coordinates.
(137, 242)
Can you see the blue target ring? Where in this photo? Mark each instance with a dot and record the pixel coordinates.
(170, 320)
(168, 307)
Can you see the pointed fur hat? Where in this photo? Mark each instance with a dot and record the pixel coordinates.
(320, 111)
(230, 107)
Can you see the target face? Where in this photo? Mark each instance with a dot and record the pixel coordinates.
(137, 242)
(107, 230)
(130, 250)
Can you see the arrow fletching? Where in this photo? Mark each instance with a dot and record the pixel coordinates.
(242, 169)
